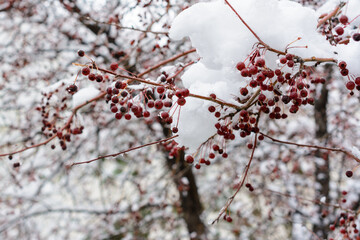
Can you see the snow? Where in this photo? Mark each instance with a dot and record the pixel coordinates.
(83, 95)
(222, 40)
(355, 151)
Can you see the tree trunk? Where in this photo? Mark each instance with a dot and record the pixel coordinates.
(322, 174)
(190, 201)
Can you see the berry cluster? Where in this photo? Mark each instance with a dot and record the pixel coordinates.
(334, 30)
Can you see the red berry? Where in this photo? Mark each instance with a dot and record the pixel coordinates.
(146, 114)
(118, 116)
(342, 64)
(81, 53)
(339, 30)
(260, 62)
(290, 63)
(150, 104)
(240, 66)
(262, 97)
(189, 159)
(332, 227)
(350, 85)
(245, 72)
(344, 19)
(213, 96)
(197, 166)
(127, 116)
(181, 101)
(211, 109)
(228, 219)
(289, 56)
(356, 37)
(164, 115)
(92, 77)
(114, 66)
(85, 71)
(158, 104)
(357, 81)
(344, 72)
(349, 174)
(283, 60)
(160, 89)
(244, 91)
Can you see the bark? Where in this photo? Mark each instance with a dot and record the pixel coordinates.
(322, 174)
(190, 200)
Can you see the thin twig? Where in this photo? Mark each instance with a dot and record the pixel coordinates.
(128, 28)
(101, 95)
(166, 62)
(313, 146)
(125, 151)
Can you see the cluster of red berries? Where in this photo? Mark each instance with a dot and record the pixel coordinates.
(268, 80)
(173, 148)
(347, 225)
(334, 30)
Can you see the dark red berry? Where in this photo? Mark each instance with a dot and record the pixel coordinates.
(92, 77)
(349, 174)
(356, 37)
(85, 71)
(81, 53)
(244, 91)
